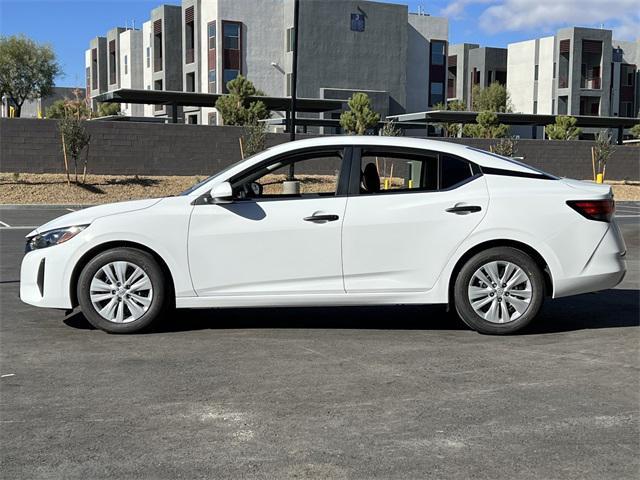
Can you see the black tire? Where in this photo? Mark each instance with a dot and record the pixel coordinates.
(159, 300)
(501, 254)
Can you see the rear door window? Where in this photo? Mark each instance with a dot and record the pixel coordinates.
(453, 171)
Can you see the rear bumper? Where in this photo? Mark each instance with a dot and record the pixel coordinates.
(605, 269)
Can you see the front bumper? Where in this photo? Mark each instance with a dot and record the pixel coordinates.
(605, 268)
(45, 277)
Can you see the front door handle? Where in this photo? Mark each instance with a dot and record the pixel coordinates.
(463, 209)
(321, 218)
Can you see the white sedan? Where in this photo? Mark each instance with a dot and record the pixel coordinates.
(337, 221)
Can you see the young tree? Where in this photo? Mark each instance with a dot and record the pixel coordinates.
(27, 70)
(360, 116)
(390, 130)
(58, 109)
(254, 139)
(107, 109)
(451, 129)
(486, 126)
(564, 128)
(236, 109)
(602, 151)
(507, 147)
(74, 135)
(635, 130)
(494, 98)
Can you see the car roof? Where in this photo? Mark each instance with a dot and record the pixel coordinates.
(480, 157)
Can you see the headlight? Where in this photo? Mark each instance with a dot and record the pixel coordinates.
(52, 237)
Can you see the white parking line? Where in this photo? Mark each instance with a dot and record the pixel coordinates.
(4, 224)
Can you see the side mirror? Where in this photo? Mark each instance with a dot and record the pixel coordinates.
(222, 193)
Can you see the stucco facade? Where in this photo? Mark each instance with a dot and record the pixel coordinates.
(578, 71)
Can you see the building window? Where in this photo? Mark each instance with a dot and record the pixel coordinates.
(289, 84)
(94, 69)
(357, 22)
(112, 62)
(563, 65)
(232, 48)
(189, 35)
(438, 52)
(554, 69)
(535, 107)
(190, 82)
(489, 77)
(563, 105)
(626, 109)
(452, 74)
(211, 57)
(157, 46)
(590, 106)
(437, 93)
(192, 119)
(126, 65)
(290, 39)
(535, 72)
(627, 72)
(553, 106)
(157, 85)
(212, 118)
(87, 84)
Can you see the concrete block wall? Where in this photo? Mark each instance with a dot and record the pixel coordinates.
(129, 148)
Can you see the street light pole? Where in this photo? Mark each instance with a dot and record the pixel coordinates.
(294, 72)
(294, 83)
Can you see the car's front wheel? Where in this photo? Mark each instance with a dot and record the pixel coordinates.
(122, 290)
(499, 290)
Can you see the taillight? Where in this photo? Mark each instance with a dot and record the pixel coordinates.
(600, 210)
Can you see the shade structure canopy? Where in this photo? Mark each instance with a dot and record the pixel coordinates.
(193, 99)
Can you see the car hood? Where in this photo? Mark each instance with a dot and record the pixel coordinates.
(88, 215)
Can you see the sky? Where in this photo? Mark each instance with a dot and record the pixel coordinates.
(69, 24)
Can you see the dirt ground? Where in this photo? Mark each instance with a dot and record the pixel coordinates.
(53, 189)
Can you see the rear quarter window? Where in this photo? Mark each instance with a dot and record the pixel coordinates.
(453, 171)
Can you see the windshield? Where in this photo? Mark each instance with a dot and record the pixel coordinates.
(224, 170)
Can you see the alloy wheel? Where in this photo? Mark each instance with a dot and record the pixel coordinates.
(500, 292)
(121, 292)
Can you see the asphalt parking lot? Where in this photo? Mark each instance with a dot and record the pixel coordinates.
(403, 392)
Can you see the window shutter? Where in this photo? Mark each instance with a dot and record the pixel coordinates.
(188, 15)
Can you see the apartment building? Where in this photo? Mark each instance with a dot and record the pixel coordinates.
(578, 71)
(400, 58)
(113, 62)
(131, 65)
(470, 65)
(96, 68)
(165, 42)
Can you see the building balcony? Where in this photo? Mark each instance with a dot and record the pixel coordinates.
(594, 83)
(189, 55)
(563, 82)
(157, 64)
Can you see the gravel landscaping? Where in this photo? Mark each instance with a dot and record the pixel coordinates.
(29, 188)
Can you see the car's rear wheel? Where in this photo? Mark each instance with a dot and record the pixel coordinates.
(499, 290)
(122, 290)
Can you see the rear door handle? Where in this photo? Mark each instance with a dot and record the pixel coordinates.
(463, 209)
(321, 218)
